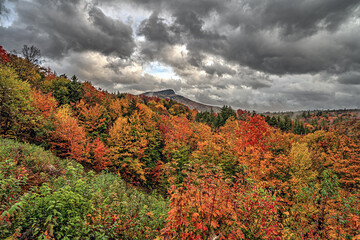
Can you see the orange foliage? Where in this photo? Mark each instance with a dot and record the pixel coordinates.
(177, 132)
(118, 108)
(207, 206)
(92, 95)
(44, 103)
(97, 155)
(92, 118)
(251, 147)
(68, 138)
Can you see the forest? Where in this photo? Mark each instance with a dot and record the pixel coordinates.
(78, 162)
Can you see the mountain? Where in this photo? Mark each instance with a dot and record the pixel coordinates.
(170, 94)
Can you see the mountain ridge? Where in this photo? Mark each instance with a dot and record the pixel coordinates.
(170, 94)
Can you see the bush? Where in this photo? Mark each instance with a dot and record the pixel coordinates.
(72, 204)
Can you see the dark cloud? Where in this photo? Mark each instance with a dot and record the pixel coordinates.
(275, 36)
(295, 18)
(155, 30)
(264, 54)
(3, 9)
(189, 21)
(58, 27)
(307, 96)
(219, 69)
(352, 78)
(201, 7)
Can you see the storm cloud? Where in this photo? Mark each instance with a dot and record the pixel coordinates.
(58, 27)
(266, 55)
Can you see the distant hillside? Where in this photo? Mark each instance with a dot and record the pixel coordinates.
(170, 94)
(302, 114)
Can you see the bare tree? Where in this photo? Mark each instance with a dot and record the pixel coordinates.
(32, 54)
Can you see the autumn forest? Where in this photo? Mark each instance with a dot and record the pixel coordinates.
(77, 162)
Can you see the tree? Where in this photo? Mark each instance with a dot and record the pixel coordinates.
(302, 167)
(44, 108)
(45, 104)
(208, 206)
(97, 155)
(68, 138)
(127, 146)
(64, 90)
(32, 54)
(26, 70)
(118, 108)
(3, 56)
(15, 104)
(225, 114)
(76, 92)
(94, 119)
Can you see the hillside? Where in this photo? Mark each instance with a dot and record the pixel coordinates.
(170, 94)
(51, 198)
(302, 114)
(78, 162)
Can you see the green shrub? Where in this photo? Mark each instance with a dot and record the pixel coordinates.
(73, 204)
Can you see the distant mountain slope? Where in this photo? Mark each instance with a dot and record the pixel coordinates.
(170, 94)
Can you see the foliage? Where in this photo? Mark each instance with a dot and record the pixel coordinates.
(15, 105)
(216, 120)
(73, 204)
(3, 56)
(228, 175)
(26, 70)
(207, 206)
(93, 118)
(68, 138)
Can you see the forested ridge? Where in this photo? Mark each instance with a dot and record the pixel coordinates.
(77, 162)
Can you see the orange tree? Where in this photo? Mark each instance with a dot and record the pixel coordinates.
(208, 206)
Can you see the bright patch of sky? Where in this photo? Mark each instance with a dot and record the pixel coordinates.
(160, 70)
(6, 19)
(127, 14)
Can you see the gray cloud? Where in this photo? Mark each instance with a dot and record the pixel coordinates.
(219, 69)
(294, 18)
(3, 10)
(352, 78)
(58, 27)
(254, 54)
(276, 37)
(155, 30)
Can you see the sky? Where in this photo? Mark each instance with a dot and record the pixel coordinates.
(262, 55)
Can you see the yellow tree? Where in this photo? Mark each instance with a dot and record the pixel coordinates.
(15, 105)
(118, 108)
(302, 170)
(127, 146)
(26, 70)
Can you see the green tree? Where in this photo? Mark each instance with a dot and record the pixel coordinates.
(225, 114)
(14, 103)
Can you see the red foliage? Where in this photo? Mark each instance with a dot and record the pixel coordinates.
(253, 132)
(97, 155)
(207, 206)
(92, 95)
(176, 131)
(3, 56)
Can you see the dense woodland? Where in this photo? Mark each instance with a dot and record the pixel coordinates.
(78, 162)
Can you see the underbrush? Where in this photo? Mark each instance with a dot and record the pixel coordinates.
(44, 197)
